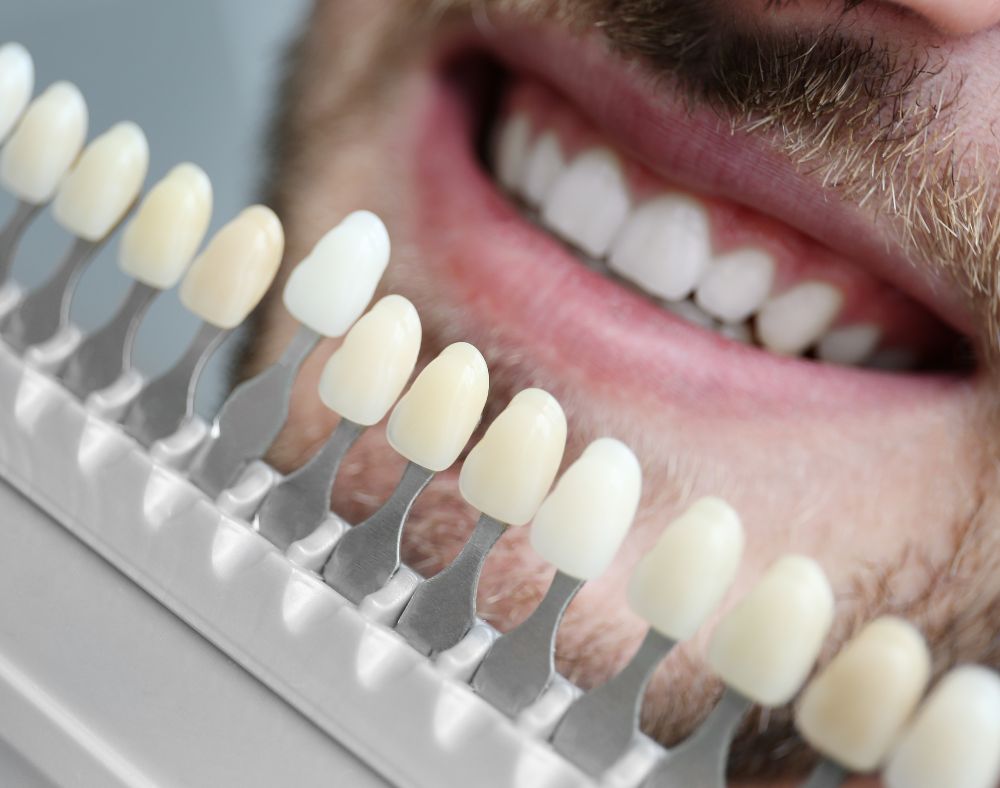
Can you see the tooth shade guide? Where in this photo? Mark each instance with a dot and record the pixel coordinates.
(17, 80)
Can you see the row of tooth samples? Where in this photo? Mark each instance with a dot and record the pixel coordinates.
(664, 247)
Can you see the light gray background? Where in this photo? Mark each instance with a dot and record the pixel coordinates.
(198, 76)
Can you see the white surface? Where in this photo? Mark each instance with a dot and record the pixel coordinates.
(17, 81)
(545, 164)
(736, 284)
(512, 150)
(850, 344)
(793, 321)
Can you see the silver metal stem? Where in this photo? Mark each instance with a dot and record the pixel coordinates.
(250, 418)
(296, 507)
(599, 727)
(11, 234)
(107, 353)
(167, 402)
(827, 774)
(368, 554)
(443, 608)
(45, 311)
(521, 664)
(700, 762)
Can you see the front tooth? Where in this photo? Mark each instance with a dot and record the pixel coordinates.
(159, 242)
(589, 202)
(767, 644)
(852, 345)
(678, 583)
(665, 246)
(544, 166)
(954, 741)
(104, 183)
(17, 80)
(736, 285)
(854, 710)
(512, 151)
(368, 371)
(581, 525)
(793, 321)
(507, 473)
(434, 420)
(228, 279)
(44, 144)
(330, 289)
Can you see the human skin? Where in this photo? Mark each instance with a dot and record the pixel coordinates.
(887, 479)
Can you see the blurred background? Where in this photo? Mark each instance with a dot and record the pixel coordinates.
(198, 76)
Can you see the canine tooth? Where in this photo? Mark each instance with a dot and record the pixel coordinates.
(331, 287)
(736, 285)
(104, 183)
(792, 322)
(589, 202)
(582, 523)
(509, 471)
(851, 345)
(740, 332)
(44, 144)
(366, 374)
(228, 279)
(954, 740)
(665, 246)
(544, 166)
(766, 645)
(434, 420)
(17, 80)
(854, 710)
(159, 242)
(512, 150)
(691, 312)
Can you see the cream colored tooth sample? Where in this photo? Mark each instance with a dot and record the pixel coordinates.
(17, 80)
(434, 420)
(105, 182)
(678, 583)
(582, 523)
(228, 279)
(163, 236)
(954, 740)
(544, 166)
(330, 289)
(512, 150)
(792, 322)
(45, 144)
(367, 372)
(767, 644)
(854, 710)
(509, 471)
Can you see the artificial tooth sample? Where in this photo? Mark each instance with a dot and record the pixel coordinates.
(665, 246)
(954, 740)
(545, 164)
(851, 345)
(44, 144)
(512, 150)
(736, 285)
(579, 529)
(360, 382)
(589, 202)
(17, 80)
(792, 322)
(854, 710)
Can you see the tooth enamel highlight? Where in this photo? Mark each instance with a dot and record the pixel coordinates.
(793, 321)
(954, 741)
(589, 202)
(581, 525)
(17, 80)
(853, 711)
(44, 144)
(104, 183)
(665, 246)
(512, 150)
(228, 279)
(509, 471)
(434, 420)
(767, 644)
(678, 583)
(169, 226)
(368, 371)
(851, 345)
(330, 289)
(736, 285)
(545, 165)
